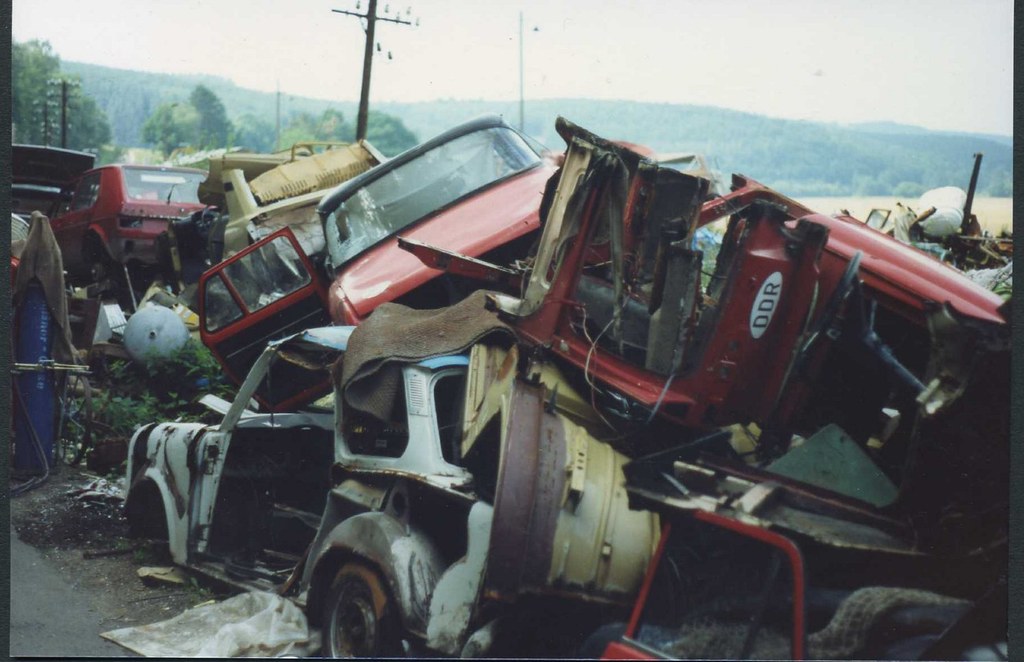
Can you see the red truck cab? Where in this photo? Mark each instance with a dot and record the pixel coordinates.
(474, 189)
(116, 213)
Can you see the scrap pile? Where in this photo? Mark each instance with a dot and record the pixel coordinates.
(829, 413)
(794, 447)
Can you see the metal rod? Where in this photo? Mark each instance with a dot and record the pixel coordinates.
(965, 224)
(131, 290)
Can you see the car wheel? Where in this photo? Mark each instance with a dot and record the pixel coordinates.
(95, 257)
(359, 618)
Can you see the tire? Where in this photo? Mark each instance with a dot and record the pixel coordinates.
(359, 617)
(96, 259)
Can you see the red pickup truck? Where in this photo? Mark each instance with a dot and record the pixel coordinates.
(116, 213)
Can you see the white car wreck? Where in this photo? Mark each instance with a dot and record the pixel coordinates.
(468, 505)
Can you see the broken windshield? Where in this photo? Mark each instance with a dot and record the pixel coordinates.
(415, 189)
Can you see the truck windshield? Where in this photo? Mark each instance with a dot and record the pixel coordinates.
(158, 185)
(422, 186)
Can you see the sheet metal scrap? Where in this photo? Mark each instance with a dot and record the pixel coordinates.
(315, 172)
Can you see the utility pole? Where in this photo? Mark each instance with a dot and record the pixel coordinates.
(64, 84)
(64, 113)
(46, 123)
(364, 92)
(277, 122)
(522, 98)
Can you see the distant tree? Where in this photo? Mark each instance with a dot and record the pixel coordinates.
(214, 127)
(332, 126)
(35, 71)
(32, 64)
(172, 125)
(388, 134)
(254, 133)
(301, 127)
(908, 190)
(1001, 184)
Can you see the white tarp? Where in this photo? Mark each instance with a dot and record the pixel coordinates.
(949, 204)
(257, 624)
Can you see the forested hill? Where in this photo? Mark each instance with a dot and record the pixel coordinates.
(799, 158)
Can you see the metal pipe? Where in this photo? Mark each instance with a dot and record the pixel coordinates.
(965, 224)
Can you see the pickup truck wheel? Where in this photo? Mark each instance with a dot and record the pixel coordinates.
(359, 618)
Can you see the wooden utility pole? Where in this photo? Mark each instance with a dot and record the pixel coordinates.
(46, 122)
(364, 92)
(277, 120)
(63, 113)
(64, 84)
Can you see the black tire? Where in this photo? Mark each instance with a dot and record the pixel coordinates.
(96, 259)
(359, 617)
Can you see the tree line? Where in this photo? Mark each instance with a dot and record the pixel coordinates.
(172, 121)
(799, 158)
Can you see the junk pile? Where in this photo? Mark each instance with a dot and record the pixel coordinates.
(804, 431)
(45, 359)
(60, 341)
(873, 384)
(942, 224)
(81, 275)
(788, 439)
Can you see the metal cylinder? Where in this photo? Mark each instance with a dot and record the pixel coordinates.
(34, 410)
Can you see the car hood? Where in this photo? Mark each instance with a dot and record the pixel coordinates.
(48, 166)
(472, 227)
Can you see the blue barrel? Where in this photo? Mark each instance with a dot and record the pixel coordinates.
(34, 345)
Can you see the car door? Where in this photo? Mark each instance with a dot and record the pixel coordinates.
(301, 362)
(69, 228)
(263, 293)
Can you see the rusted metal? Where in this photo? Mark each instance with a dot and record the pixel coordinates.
(798, 642)
(509, 564)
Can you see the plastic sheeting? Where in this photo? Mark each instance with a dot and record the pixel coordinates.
(257, 624)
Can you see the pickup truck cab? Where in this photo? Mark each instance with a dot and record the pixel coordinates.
(115, 214)
(475, 189)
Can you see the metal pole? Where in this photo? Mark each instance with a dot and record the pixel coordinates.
(522, 102)
(64, 114)
(46, 121)
(965, 224)
(364, 93)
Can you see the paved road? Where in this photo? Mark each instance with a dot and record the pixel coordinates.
(48, 618)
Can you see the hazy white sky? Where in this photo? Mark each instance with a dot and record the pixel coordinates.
(941, 64)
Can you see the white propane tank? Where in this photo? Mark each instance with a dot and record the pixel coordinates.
(154, 332)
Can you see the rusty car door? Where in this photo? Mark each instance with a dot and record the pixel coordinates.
(268, 291)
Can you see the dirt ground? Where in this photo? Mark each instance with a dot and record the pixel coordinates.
(67, 530)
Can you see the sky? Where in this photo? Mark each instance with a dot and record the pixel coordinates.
(938, 64)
